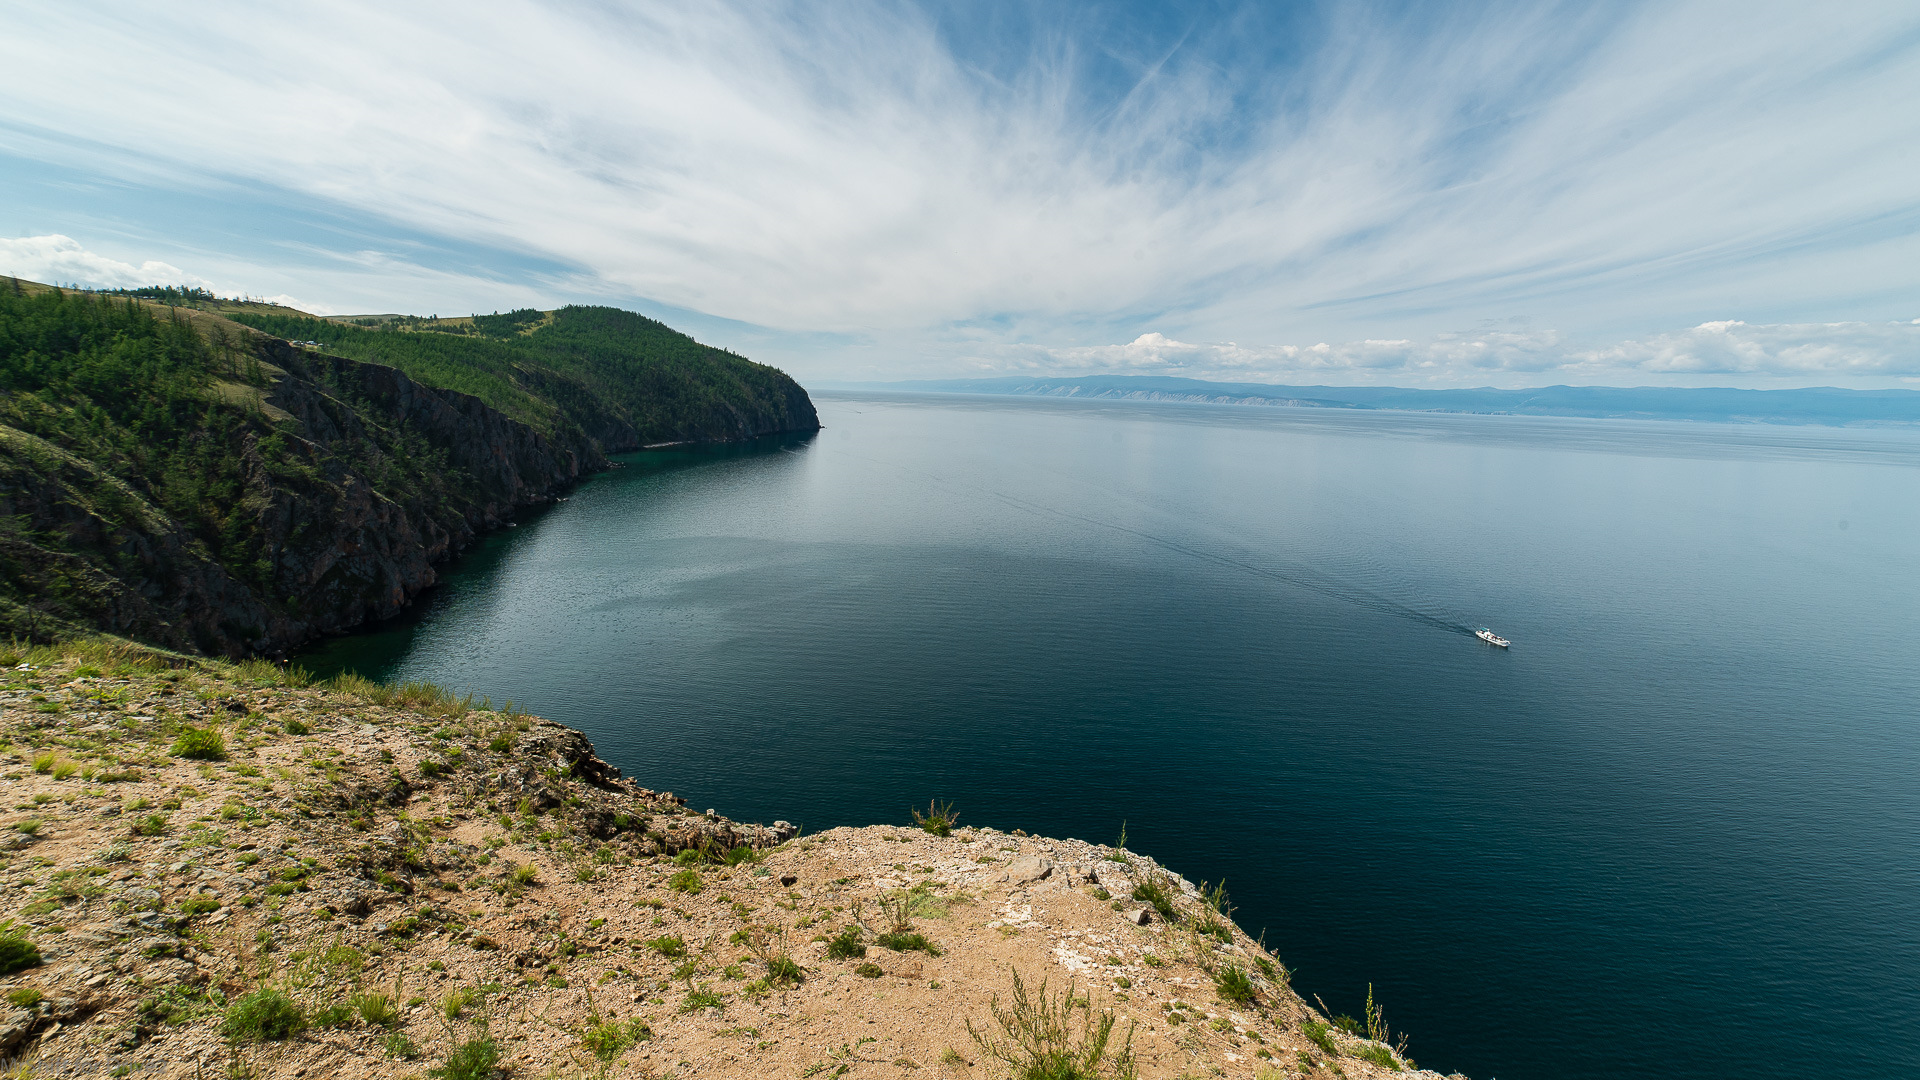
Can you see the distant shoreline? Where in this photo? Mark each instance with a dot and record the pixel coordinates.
(1808, 406)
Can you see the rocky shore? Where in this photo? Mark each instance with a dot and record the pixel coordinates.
(212, 870)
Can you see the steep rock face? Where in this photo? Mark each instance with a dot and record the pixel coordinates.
(398, 477)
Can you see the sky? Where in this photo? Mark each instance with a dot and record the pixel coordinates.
(1416, 194)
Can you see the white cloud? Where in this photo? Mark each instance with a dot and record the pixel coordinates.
(1839, 353)
(839, 168)
(62, 260)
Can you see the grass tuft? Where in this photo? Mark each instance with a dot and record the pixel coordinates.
(204, 744)
(264, 1016)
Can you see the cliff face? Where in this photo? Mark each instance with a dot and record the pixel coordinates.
(207, 488)
(338, 549)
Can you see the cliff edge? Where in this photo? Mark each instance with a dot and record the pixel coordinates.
(214, 869)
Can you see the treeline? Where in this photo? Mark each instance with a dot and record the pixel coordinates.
(619, 378)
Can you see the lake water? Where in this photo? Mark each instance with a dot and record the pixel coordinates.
(1675, 831)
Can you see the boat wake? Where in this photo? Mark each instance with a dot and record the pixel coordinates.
(1311, 580)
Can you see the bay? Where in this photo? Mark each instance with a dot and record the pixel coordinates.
(1673, 832)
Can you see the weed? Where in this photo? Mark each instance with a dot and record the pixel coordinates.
(703, 999)
(1379, 1055)
(475, 1059)
(1233, 985)
(524, 875)
(772, 950)
(43, 763)
(846, 945)
(1156, 891)
(668, 945)
(16, 952)
(1320, 1035)
(397, 1045)
(64, 769)
(1037, 1038)
(29, 826)
(333, 1016)
(264, 1016)
(180, 1004)
(869, 971)
(375, 1008)
(198, 905)
(205, 744)
(295, 727)
(686, 881)
(901, 942)
(939, 819)
(26, 997)
(612, 1038)
(456, 1002)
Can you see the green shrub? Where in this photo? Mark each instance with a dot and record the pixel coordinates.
(16, 952)
(846, 945)
(264, 1016)
(475, 1059)
(783, 971)
(1233, 985)
(205, 744)
(686, 881)
(939, 818)
(907, 942)
(612, 1038)
(1320, 1035)
(668, 945)
(1379, 1055)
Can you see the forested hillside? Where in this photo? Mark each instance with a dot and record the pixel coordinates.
(172, 476)
(621, 379)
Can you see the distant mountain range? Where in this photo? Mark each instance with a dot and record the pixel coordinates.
(1811, 405)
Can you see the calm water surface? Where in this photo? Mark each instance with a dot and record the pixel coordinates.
(1675, 831)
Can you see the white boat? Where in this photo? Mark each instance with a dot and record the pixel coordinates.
(1491, 638)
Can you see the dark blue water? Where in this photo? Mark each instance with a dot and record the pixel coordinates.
(1675, 831)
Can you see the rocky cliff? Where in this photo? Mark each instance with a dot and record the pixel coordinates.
(245, 496)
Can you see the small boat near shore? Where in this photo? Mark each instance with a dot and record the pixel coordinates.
(1491, 638)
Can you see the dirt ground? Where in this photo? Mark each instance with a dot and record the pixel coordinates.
(432, 886)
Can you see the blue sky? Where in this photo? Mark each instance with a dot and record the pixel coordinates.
(1415, 194)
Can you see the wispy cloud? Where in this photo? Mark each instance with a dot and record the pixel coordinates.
(1347, 172)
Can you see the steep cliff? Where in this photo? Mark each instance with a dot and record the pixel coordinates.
(176, 478)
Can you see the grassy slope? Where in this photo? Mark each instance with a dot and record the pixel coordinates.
(621, 378)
